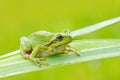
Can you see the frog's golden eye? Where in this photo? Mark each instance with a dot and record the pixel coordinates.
(60, 37)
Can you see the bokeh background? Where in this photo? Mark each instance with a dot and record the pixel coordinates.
(21, 17)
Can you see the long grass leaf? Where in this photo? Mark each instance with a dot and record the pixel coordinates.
(95, 27)
(99, 49)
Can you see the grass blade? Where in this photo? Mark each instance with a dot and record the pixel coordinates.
(79, 32)
(10, 54)
(95, 27)
(90, 50)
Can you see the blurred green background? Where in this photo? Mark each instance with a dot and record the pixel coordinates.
(21, 17)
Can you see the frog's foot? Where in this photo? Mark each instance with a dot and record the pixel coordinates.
(28, 57)
(40, 61)
(65, 52)
(75, 51)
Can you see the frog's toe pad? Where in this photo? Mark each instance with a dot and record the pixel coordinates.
(40, 63)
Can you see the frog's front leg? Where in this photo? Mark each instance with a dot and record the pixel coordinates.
(68, 49)
(25, 47)
(75, 51)
(38, 50)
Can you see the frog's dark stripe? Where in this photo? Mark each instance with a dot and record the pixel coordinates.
(53, 41)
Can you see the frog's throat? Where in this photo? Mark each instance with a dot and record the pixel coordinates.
(61, 45)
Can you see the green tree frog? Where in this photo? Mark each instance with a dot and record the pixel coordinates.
(38, 45)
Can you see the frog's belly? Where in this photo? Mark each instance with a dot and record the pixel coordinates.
(54, 51)
(45, 54)
(59, 50)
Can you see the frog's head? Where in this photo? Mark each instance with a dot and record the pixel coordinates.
(64, 37)
(61, 39)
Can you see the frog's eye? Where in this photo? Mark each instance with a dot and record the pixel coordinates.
(59, 37)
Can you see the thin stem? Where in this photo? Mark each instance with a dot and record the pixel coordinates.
(95, 27)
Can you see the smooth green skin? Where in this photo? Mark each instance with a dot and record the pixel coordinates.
(35, 46)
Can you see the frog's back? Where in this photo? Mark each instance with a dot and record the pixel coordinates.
(40, 38)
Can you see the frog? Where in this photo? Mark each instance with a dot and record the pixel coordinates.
(37, 46)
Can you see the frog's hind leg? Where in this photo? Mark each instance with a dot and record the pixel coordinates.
(25, 47)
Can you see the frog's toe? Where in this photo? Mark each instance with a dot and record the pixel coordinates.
(26, 56)
(37, 62)
(44, 63)
(39, 65)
